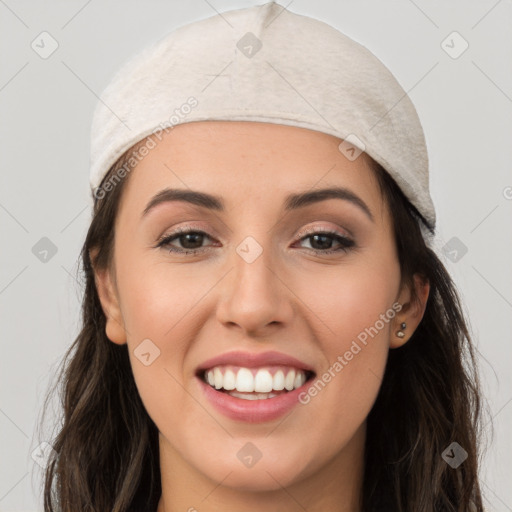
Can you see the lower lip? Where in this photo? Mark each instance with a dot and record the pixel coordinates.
(252, 411)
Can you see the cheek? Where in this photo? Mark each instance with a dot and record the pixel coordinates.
(158, 299)
(351, 308)
(160, 309)
(345, 300)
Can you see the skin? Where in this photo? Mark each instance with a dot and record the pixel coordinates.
(310, 306)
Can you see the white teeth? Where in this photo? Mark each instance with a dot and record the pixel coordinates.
(300, 378)
(229, 380)
(217, 374)
(263, 381)
(260, 384)
(289, 380)
(244, 380)
(278, 381)
(252, 396)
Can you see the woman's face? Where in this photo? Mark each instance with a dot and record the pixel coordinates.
(259, 281)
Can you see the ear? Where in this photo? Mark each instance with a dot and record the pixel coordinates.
(413, 303)
(107, 293)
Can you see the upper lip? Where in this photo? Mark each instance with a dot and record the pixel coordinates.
(252, 360)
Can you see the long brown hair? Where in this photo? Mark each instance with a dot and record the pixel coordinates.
(107, 446)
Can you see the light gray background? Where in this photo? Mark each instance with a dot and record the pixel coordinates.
(465, 105)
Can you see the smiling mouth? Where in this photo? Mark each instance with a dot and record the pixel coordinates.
(255, 383)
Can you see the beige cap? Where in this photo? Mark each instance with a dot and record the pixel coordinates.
(266, 64)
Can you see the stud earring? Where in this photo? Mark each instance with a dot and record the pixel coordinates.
(401, 333)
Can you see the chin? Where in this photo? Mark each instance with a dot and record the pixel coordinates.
(258, 479)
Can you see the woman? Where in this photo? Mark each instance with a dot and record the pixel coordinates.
(266, 325)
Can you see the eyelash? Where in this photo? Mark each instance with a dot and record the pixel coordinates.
(345, 243)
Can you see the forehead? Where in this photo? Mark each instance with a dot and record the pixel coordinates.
(247, 163)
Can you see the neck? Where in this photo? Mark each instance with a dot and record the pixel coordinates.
(336, 486)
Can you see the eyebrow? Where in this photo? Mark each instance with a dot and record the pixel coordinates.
(292, 201)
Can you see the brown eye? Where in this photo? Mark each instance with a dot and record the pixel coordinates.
(190, 241)
(322, 242)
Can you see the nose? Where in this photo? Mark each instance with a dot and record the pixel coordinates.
(255, 298)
